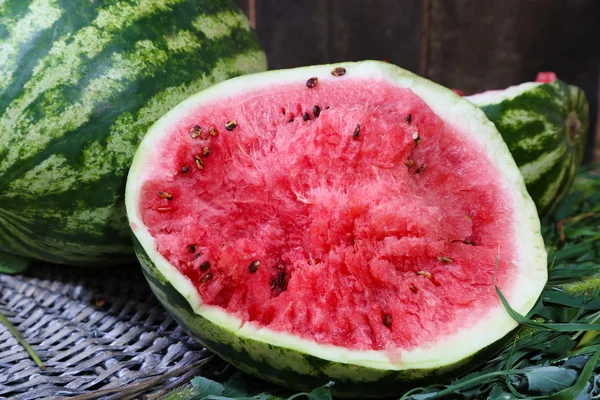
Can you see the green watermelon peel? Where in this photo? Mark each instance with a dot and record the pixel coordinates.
(544, 123)
(288, 354)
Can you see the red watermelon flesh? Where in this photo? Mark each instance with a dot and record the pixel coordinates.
(347, 213)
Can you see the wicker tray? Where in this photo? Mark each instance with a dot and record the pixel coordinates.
(99, 332)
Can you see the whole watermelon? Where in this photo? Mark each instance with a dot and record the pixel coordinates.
(80, 83)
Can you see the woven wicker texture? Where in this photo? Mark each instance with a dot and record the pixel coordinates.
(100, 334)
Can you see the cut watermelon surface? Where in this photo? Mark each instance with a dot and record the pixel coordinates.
(349, 227)
(360, 215)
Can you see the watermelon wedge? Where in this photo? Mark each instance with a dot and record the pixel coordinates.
(341, 223)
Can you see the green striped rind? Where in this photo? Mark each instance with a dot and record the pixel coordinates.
(80, 83)
(292, 368)
(545, 128)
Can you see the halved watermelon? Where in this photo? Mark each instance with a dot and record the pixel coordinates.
(340, 223)
(544, 124)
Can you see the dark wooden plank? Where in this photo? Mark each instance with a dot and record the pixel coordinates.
(479, 45)
(376, 30)
(293, 32)
(487, 44)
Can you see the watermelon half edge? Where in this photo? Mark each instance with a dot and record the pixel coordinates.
(341, 223)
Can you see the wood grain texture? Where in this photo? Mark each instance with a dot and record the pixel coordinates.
(478, 45)
(488, 44)
(376, 30)
(293, 32)
(305, 32)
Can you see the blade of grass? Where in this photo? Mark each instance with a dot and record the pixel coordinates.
(558, 327)
(22, 341)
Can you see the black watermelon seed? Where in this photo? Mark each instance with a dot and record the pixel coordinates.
(206, 277)
(231, 125)
(205, 266)
(387, 320)
(195, 132)
(253, 267)
(356, 132)
(198, 161)
(339, 71)
(424, 274)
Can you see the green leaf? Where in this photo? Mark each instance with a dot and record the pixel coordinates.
(550, 379)
(575, 250)
(186, 392)
(320, 393)
(205, 387)
(498, 393)
(235, 387)
(261, 396)
(573, 391)
(560, 346)
(241, 385)
(421, 396)
(13, 264)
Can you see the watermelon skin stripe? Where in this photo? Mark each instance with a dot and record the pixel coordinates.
(545, 129)
(158, 78)
(72, 116)
(297, 369)
(61, 75)
(20, 23)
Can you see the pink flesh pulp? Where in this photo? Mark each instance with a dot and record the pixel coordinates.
(366, 239)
